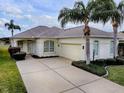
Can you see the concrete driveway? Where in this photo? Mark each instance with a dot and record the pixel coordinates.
(56, 75)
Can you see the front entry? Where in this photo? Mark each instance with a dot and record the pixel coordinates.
(121, 49)
(31, 46)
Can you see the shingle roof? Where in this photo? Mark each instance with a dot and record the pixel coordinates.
(39, 32)
(121, 35)
(54, 32)
(78, 32)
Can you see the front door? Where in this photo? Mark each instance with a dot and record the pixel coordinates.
(30, 47)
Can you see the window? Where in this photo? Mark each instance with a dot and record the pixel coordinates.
(111, 47)
(46, 46)
(96, 48)
(49, 46)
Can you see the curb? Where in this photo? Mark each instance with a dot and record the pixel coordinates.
(107, 73)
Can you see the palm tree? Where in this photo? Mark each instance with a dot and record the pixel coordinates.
(11, 26)
(80, 13)
(108, 10)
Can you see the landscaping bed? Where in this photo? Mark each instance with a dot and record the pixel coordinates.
(98, 66)
(95, 69)
(10, 79)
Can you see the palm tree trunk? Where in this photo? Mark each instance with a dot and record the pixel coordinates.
(87, 34)
(87, 49)
(115, 42)
(12, 32)
(12, 41)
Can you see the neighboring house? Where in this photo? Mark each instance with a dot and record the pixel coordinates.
(46, 41)
(4, 41)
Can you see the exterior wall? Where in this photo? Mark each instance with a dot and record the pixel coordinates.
(74, 45)
(104, 48)
(72, 48)
(40, 48)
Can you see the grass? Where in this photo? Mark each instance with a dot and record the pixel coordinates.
(10, 79)
(116, 74)
(95, 69)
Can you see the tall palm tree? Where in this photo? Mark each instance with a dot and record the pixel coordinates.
(80, 13)
(108, 10)
(11, 26)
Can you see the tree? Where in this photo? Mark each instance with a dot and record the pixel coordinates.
(80, 13)
(108, 10)
(11, 26)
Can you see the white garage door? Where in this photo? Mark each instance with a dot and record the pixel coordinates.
(71, 51)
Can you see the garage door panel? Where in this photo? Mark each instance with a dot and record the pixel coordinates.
(71, 51)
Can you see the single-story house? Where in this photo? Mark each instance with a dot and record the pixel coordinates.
(46, 41)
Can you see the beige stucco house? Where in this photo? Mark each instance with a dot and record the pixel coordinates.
(46, 41)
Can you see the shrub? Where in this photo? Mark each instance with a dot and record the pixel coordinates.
(19, 56)
(35, 56)
(100, 62)
(111, 61)
(13, 50)
(120, 60)
(95, 69)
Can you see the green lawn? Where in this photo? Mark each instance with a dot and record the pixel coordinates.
(10, 79)
(116, 74)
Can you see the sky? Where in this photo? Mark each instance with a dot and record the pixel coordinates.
(32, 13)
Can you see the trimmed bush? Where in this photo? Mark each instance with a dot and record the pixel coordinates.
(19, 56)
(111, 61)
(120, 60)
(100, 62)
(95, 69)
(37, 57)
(13, 50)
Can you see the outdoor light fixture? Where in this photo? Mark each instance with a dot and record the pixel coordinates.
(82, 47)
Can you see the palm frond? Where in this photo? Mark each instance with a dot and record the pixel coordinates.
(90, 5)
(17, 27)
(11, 21)
(7, 24)
(106, 11)
(70, 15)
(121, 6)
(12, 26)
(77, 14)
(80, 5)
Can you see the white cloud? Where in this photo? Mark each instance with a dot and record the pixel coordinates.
(42, 20)
(10, 9)
(3, 21)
